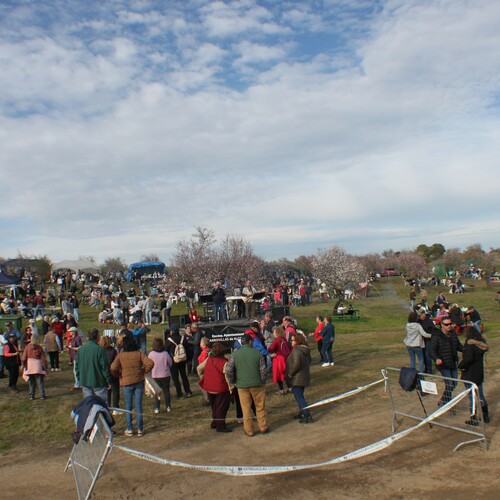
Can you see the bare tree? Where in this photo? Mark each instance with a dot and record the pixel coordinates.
(453, 259)
(152, 257)
(199, 263)
(90, 258)
(113, 264)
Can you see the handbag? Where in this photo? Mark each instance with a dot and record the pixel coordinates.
(151, 387)
(408, 379)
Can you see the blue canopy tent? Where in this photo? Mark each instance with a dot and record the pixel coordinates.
(141, 268)
(6, 280)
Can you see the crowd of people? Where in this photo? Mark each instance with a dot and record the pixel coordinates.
(432, 337)
(111, 365)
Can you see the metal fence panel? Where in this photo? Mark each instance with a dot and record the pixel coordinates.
(432, 391)
(87, 457)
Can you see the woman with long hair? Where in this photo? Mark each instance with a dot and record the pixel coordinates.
(414, 341)
(130, 366)
(472, 368)
(35, 366)
(298, 373)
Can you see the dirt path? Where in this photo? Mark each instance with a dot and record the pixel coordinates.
(420, 465)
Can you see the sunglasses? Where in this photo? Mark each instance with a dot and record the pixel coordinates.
(446, 324)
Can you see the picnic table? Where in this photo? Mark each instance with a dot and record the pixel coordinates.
(344, 314)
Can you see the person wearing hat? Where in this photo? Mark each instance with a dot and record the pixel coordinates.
(11, 330)
(257, 338)
(247, 369)
(34, 327)
(250, 306)
(474, 318)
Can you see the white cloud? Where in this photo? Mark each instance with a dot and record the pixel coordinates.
(165, 119)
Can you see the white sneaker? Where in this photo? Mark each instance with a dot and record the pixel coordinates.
(325, 364)
(169, 409)
(114, 413)
(156, 411)
(332, 364)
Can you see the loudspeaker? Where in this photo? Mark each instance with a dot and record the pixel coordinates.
(280, 312)
(181, 321)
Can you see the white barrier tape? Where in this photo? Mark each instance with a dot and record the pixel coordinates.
(345, 395)
(233, 470)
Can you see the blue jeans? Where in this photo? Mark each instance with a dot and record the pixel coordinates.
(39, 311)
(77, 382)
(477, 326)
(219, 312)
(76, 314)
(326, 352)
(102, 392)
(482, 399)
(148, 316)
(449, 384)
(134, 392)
(298, 393)
(419, 353)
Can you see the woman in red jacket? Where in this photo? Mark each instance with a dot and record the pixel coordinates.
(279, 350)
(317, 335)
(214, 382)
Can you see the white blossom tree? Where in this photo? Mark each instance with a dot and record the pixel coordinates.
(337, 269)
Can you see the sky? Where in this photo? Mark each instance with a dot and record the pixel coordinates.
(297, 125)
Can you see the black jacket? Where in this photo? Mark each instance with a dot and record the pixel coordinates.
(472, 363)
(446, 348)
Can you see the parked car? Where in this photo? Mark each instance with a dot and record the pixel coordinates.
(389, 271)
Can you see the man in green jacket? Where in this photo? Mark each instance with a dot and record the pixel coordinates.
(92, 368)
(248, 370)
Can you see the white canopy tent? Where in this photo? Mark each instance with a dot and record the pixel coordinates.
(76, 265)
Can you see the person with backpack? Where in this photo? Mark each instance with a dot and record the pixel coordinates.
(298, 374)
(280, 350)
(177, 348)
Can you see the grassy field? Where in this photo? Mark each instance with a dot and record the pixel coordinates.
(361, 349)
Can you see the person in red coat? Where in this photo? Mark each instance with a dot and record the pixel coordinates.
(279, 350)
(214, 382)
(59, 329)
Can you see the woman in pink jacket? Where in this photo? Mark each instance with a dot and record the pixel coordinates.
(35, 366)
(161, 371)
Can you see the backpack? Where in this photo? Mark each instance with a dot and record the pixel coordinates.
(285, 349)
(179, 351)
(408, 379)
